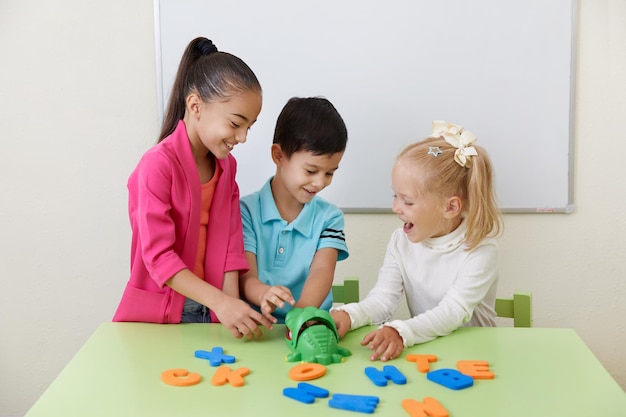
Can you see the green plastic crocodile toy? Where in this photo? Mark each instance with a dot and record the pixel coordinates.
(312, 336)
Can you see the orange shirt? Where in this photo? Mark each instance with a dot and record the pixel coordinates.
(208, 189)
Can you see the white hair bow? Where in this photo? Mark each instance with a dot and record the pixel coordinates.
(461, 139)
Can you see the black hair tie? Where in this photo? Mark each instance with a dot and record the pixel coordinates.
(207, 47)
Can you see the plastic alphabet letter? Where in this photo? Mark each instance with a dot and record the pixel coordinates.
(180, 377)
(305, 393)
(307, 371)
(389, 372)
(475, 369)
(422, 361)
(430, 407)
(224, 375)
(376, 376)
(215, 357)
(450, 378)
(361, 403)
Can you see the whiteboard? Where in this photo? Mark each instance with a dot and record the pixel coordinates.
(504, 69)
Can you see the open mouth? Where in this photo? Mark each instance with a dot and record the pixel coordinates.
(408, 227)
(306, 325)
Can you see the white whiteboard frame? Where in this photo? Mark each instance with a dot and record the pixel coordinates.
(260, 137)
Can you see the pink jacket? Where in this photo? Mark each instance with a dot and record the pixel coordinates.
(164, 210)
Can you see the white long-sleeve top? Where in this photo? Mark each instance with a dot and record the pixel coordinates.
(446, 287)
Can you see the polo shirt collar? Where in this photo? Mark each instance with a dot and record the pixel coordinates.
(303, 224)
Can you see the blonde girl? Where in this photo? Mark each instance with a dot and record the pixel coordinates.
(444, 258)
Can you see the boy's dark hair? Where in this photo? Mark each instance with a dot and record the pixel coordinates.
(310, 124)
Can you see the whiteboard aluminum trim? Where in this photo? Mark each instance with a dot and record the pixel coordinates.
(158, 60)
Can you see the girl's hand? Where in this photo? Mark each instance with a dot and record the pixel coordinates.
(386, 343)
(342, 322)
(241, 319)
(274, 297)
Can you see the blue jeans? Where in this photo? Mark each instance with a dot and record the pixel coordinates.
(194, 312)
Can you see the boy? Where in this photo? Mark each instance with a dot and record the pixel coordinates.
(293, 238)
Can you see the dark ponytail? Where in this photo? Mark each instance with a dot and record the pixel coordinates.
(211, 74)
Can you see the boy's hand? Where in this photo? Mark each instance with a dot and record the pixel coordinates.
(342, 322)
(274, 297)
(240, 318)
(386, 343)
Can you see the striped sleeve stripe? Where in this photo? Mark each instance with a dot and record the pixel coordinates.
(334, 234)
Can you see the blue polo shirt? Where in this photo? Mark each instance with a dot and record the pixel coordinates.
(284, 251)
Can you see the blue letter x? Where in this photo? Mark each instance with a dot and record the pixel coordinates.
(215, 357)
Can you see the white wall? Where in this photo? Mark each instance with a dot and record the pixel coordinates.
(78, 108)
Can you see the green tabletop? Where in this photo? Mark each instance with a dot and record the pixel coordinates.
(538, 372)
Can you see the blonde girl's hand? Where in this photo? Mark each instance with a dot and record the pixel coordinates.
(342, 322)
(386, 343)
(240, 319)
(275, 296)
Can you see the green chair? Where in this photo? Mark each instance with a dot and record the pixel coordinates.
(348, 292)
(518, 308)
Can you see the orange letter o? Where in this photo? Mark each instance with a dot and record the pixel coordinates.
(307, 371)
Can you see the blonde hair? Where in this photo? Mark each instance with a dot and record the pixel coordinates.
(439, 174)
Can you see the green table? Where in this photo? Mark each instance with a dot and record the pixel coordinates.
(538, 372)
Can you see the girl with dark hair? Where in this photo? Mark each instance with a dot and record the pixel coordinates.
(187, 246)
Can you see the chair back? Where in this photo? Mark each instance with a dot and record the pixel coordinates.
(518, 308)
(346, 293)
